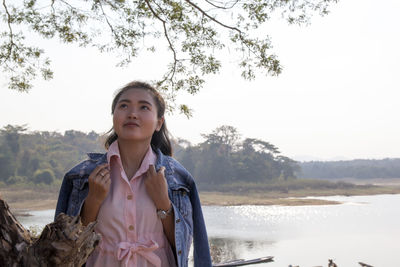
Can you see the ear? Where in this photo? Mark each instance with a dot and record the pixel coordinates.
(160, 122)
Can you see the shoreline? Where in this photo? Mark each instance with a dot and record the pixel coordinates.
(223, 199)
(23, 208)
(23, 201)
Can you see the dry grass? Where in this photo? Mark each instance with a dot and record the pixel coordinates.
(39, 198)
(291, 198)
(224, 199)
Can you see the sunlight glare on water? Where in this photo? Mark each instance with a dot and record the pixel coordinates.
(363, 228)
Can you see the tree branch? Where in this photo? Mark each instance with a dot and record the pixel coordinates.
(9, 21)
(110, 3)
(65, 242)
(173, 71)
(222, 7)
(71, 6)
(108, 22)
(213, 19)
(223, 25)
(52, 6)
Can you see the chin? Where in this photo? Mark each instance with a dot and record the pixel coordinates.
(133, 138)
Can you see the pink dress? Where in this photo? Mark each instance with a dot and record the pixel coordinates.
(132, 234)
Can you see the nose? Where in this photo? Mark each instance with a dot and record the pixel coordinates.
(132, 114)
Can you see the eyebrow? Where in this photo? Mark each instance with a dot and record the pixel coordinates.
(140, 101)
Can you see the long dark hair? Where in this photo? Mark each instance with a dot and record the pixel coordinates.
(160, 139)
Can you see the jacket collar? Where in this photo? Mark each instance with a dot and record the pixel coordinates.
(87, 166)
(165, 161)
(95, 159)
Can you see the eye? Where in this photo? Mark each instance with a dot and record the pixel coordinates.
(123, 105)
(145, 108)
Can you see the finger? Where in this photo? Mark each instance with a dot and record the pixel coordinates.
(105, 177)
(105, 168)
(99, 169)
(152, 169)
(161, 170)
(98, 179)
(103, 172)
(94, 173)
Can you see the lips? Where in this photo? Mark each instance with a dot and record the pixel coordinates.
(131, 124)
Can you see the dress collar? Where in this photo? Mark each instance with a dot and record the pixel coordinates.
(149, 158)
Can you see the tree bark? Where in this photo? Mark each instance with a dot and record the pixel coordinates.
(65, 242)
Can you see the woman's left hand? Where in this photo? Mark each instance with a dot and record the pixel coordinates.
(157, 188)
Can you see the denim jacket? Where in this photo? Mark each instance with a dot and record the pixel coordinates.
(189, 221)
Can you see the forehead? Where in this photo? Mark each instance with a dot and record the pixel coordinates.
(137, 94)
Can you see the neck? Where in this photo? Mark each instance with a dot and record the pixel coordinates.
(132, 155)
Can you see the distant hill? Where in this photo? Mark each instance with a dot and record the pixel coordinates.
(358, 168)
(305, 158)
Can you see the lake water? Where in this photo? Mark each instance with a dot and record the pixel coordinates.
(363, 228)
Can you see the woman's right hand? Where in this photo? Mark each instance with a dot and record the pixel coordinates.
(99, 183)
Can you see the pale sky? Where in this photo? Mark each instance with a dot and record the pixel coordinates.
(337, 98)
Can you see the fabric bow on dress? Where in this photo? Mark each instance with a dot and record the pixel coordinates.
(126, 250)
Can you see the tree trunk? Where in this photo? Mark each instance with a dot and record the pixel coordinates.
(64, 242)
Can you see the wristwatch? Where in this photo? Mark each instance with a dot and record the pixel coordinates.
(162, 214)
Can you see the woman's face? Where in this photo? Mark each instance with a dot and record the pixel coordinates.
(135, 116)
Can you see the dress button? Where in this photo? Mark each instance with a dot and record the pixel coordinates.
(131, 228)
(179, 252)
(178, 220)
(129, 197)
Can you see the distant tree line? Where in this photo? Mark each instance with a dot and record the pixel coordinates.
(359, 168)
(41, 157)
(222, 158)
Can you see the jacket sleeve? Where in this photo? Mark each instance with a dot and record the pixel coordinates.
(63, 196)
(201, 251)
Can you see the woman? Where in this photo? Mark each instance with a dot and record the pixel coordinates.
(146, 204)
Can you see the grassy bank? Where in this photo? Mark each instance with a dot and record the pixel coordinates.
(292, 192)
(291, 198)
(289, 193)
(37, 197)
